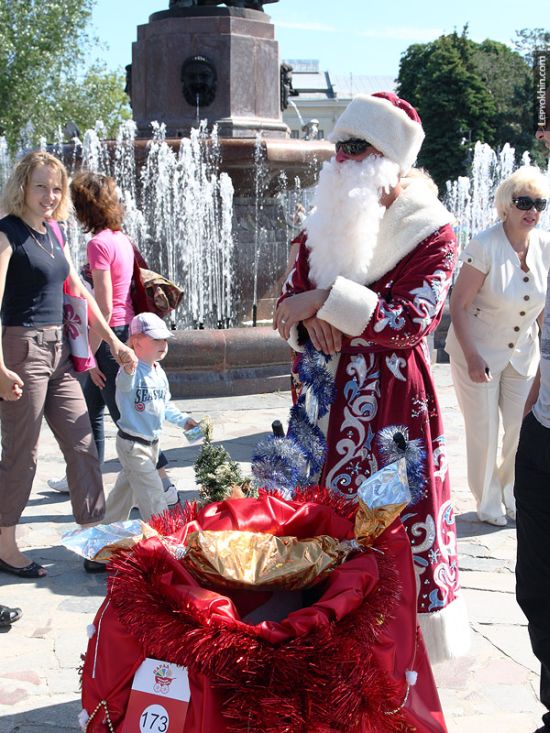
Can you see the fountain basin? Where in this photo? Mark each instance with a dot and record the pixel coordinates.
(243, 361)
(294, 158)
(234, 361)
(238, 158)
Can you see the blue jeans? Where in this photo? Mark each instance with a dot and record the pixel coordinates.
(97, 399)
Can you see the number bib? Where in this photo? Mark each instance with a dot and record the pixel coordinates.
(159, 698)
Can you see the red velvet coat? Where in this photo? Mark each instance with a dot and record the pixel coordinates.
(384, 385)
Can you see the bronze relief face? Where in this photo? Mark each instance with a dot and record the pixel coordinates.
(199, 81)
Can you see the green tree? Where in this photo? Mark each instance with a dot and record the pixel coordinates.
(215, 473)
(530, 40)
(532, 43)
(99, 95)
(441, 79)
(510, 81)
(43, 78)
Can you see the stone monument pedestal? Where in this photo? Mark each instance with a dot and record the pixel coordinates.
(229, 59)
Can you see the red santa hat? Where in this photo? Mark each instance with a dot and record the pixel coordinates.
(391, 124)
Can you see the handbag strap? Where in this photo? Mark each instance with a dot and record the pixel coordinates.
(56, 229)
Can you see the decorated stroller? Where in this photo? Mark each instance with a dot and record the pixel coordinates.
(286, 615)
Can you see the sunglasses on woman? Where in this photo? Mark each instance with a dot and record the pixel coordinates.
(352, 147)
(526, 203)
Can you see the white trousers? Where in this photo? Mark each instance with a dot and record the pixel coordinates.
(138, 484)
(491, 476)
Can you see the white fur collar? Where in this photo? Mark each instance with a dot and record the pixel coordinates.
(413, 216)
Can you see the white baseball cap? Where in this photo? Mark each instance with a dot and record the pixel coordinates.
(150, 325)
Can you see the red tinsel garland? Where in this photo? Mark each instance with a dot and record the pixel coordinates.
(327, 680)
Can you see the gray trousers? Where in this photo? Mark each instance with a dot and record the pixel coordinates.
(41, 358)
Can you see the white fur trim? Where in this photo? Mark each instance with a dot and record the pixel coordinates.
(83, 718)
(446, 632)
(414, 215)
(387, 127)
(292, 340)
(349, 306)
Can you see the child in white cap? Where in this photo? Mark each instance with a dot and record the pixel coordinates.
(143, 399)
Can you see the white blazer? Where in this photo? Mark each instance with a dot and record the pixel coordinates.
(502, 317)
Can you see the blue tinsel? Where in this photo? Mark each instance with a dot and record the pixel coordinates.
(312, 371)
(284, 463)
(309, 437)
(278, 463)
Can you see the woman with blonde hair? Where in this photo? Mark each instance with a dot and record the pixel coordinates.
(36, 375)
(493, 341)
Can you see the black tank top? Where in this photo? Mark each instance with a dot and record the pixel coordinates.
(33, 294)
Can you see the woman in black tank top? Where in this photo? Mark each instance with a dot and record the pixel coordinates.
(36, 376)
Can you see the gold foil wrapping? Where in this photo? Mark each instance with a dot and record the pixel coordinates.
(370, 523)
(255, 560)
(238, 559)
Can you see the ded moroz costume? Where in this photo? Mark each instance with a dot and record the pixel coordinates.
(375, 400)
(341, 652)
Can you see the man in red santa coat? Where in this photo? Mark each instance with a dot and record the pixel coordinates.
(369, 283)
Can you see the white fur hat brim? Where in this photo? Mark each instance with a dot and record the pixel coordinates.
(387, 127)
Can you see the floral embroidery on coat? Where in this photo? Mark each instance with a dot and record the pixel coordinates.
(384, 386)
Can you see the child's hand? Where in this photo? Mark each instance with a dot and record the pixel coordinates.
(192, 430)
(125, 357)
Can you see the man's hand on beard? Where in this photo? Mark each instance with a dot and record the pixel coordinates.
(324, 337)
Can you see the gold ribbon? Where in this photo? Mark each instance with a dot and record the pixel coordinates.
(256, 560)
(370, 523)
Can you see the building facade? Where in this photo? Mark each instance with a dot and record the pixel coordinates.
(322, 96)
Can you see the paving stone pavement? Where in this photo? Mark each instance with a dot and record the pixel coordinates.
(493, 689)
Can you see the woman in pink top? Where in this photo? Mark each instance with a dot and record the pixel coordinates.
(111, 260)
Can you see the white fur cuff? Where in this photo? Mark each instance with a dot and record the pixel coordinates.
(349, 306)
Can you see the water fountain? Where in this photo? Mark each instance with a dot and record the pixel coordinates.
(212, 204)
(471, 198)
(210, 180)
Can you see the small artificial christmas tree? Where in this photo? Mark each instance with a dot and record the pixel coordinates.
(217, 475)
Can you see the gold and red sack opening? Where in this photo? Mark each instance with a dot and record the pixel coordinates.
(341, 656)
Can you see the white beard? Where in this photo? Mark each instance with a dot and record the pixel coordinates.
(342, 228)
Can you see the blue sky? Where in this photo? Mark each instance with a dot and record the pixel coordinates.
(345, 35)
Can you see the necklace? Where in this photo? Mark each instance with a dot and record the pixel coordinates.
(50, 252)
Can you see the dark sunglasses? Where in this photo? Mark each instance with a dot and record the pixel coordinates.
(352, 147)
(525, 203)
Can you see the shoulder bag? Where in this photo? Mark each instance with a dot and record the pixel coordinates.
(75, 318)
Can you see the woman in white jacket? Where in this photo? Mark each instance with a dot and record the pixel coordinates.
(493, 340)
